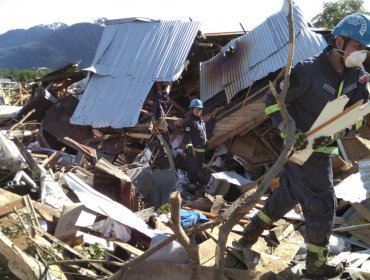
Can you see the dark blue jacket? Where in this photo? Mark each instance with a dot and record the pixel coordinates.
(313, 83)
(194, 132)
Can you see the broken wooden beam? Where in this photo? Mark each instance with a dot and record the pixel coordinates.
(353, 227)
(24, 266)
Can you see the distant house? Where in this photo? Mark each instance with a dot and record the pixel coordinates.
(7, 82)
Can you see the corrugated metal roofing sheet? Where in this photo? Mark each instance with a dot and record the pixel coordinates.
(131, 56)
(258, 53)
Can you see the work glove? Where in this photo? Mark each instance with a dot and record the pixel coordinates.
(300, 141)
(324, 141)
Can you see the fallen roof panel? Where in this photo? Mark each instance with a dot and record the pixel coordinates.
(131, 56)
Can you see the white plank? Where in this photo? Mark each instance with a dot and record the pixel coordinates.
(335, 124)
(102, 204)
(354, 259)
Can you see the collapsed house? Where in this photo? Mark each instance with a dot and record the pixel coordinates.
(248, 63)
(82, 164)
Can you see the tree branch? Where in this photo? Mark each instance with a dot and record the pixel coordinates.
(175, 225)
(246, 202)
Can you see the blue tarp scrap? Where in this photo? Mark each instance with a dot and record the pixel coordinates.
(189, 218)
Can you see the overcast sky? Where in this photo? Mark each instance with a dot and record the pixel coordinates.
(215, 15)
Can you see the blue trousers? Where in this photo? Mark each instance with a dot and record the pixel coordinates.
(310, 185)
(193, 165)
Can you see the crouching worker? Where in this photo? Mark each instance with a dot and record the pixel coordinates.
(195, 140)
(314, 82)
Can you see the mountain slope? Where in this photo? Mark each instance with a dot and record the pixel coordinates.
(42, 46)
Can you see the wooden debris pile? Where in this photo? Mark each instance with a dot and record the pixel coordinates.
(82, 203)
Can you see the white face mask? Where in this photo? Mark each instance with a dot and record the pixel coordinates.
(355, 58)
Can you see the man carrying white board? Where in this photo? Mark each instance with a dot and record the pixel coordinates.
(314, 82)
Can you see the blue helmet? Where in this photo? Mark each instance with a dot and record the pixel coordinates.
(196, 103)
(356, 27)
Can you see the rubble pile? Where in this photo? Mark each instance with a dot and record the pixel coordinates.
(80, 203)
(92, 188)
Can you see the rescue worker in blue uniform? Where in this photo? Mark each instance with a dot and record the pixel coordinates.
(313, 83)
(195, 140)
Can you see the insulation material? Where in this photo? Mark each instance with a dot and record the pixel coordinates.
(356, 187)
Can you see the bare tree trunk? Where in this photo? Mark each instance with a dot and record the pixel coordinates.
(195, 229)
(175, 225)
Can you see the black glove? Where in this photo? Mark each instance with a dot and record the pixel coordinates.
(323, 141)
(300, 141)
(190, 150)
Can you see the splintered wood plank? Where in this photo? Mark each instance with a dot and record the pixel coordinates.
(129, 248)
(331, 120)
(7, 197)
(53, 158)
(353, 227)
(355, 259)
(363, 209)
(9, 200)
(270, 264)
(286, 251)
(289, 247)
(207, 252)
(8, 208)
(47, 212)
